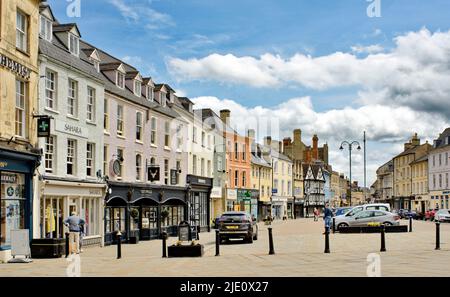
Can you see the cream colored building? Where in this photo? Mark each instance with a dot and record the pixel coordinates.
(19, 79)
(335, 189)
(261, 180)
(420, 192)
(403, 190)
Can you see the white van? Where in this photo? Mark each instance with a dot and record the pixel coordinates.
(372, 206)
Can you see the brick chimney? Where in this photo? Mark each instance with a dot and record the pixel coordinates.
(315, 150)
(225, 116)
(297, 135)
(267, 141)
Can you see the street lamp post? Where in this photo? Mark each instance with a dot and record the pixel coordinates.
(350, 148)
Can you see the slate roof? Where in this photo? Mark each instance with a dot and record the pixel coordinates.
(260, 161)
(440, 142)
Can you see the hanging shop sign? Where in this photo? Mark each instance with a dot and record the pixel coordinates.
(43, 127)
(173, 176)
(15, 67)
(153, 173)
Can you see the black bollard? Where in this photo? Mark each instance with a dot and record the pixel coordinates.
(327, 241)
(334, 225)
(383, 239)
(67, 244)
(271, 249)
(164, 245)
(198, 232)
(217, 243)
(438, 236)
(119, 245)
(410, 223)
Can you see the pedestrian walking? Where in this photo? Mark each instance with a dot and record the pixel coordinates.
(74, 224)
(327, 215)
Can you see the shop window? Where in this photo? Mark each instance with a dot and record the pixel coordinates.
(149, 217)
(12, 197)
(21, 93)
(52, 216)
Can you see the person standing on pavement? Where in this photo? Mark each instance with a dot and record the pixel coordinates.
(327, 215)
(74, 224)
(316, 214)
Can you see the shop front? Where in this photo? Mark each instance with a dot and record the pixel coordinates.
(16, 195)
(59, 198)
(439, 200)
(232, 202)
(264, 210)
(299, 205)
(199, 201)
(247, 200)
(279, 207)
(217, 202)
(144, 212)
(290, 207)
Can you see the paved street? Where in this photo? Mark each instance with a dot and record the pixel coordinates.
(299, 247)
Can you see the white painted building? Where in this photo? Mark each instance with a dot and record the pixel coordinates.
(439, 171)
(72, 93)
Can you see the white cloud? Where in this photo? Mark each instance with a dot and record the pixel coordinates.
(414, 73)
(137, 11)
(387, 127)
(371, 49)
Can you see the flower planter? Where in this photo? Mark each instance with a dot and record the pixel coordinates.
(175, 251)
(48, 248)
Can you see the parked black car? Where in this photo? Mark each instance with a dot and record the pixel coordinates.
(235, 224)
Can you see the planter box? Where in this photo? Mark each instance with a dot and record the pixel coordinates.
(377, 229)
(185, 251)
(48, 248)
(133, 240)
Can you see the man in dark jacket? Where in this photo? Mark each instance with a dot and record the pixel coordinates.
(327, 215)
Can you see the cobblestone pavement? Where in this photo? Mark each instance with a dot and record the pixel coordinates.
(299, 251)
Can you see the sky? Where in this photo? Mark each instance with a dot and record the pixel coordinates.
(323, 66)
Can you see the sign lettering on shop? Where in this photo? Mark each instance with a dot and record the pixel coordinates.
(70, 129)
(3, 164)
(15, 67)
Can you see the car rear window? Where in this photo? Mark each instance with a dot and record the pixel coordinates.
(234, 217)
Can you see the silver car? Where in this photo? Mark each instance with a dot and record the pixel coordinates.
(442, 215)
(367, 217)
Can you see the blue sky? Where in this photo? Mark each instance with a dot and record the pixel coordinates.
(287, 47)
(250, 27)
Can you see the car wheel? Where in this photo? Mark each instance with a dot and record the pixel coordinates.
(387, 223)
(342, 225)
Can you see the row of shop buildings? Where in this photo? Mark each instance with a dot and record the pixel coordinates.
(418, 177)
(83, 131)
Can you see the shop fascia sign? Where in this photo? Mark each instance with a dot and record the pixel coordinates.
(67, 128)
(232, 194)
(15, 67)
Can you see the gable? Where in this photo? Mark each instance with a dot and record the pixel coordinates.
(47, 12)
(95, 55)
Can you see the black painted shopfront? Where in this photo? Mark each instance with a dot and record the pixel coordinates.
(143, 212)
(16, 193)
(199, 201)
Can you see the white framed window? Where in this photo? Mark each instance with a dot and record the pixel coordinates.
(91, 99)
(105, 115)
(22, 31)
(139, 126)
(21, 101)
(162, 98)
(236, 178)
(90, 159)
(150, 94)
(46, 28)
(153, 132)
(202, 167)
(120, 80)
(72, 98)
(120, 126)
(71, 156)
(194, 164)
(74, 44)
(137, 88)
(50, 89)
(166, 171)
(49, 154)
(119, 156)
(105, 160)
(167, 134)
(96, 65)
(138, 167)
(243, 152)
(194, 134)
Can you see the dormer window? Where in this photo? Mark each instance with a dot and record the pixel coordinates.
(96, 65)
(162, 99)
(120, 81)
(151, 94)
(137, 88)
(46, 28)
(74, 44)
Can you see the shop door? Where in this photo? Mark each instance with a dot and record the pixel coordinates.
(149, 224)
